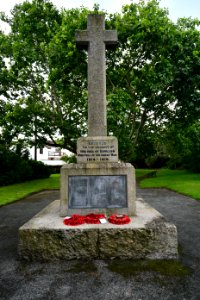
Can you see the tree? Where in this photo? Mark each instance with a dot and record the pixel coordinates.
(183, 149)
(146, 76)
(152, 77)
(49, 74)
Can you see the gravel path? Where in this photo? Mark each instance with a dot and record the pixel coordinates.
(94, 280)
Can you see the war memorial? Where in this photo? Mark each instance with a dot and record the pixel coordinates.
(98, 184)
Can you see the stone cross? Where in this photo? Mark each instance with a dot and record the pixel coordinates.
(96, 39)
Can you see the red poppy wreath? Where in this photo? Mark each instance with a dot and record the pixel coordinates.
(119, 219)
(74, 220)
(94, 218)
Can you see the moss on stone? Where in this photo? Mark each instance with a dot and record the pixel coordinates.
(84, 266)
(165, 267)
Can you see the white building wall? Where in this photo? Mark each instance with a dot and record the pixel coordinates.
(49, 155)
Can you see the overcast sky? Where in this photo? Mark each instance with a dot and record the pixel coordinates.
(177, 8)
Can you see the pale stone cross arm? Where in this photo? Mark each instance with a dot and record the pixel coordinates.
(95, 39)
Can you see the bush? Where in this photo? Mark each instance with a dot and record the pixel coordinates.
(69, 159)
(39, 170)
(55, 169)
(14, 168)
(184, 148)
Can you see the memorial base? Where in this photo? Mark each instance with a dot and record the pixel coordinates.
(148, 236)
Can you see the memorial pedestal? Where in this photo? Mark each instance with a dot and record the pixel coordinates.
(97, 187)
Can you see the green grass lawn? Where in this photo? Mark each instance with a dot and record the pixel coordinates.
(142, 172)
(18, 191)
(181, 181)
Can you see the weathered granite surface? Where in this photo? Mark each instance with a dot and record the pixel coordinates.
(149, 236)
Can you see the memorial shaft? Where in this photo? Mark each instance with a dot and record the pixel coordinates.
(95, 39)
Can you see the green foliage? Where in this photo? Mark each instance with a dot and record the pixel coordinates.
(152, 80)
(184, 148)
(47, 96)
(39, 170)
(69, 159)
(17, 168)
(96, 8)
(146, 76)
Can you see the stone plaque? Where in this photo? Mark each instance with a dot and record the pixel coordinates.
(97, 191)
(97, 149)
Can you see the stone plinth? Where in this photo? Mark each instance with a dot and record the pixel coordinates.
(148, 236)
(98, 187)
